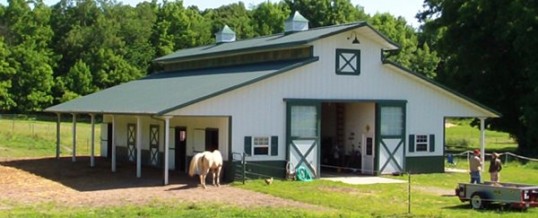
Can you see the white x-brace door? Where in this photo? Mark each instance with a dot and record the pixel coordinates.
(303, 138)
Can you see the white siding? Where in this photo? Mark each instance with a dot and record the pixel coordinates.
(259, 109)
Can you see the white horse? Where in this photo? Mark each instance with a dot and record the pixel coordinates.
(205, 161)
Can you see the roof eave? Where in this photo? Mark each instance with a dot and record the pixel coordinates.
(288, 68)
(493, 113)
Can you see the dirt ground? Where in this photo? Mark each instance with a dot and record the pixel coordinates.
(75, 184)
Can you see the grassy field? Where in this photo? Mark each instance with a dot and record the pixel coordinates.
(462, 137)
(33, 138)
(431, 195)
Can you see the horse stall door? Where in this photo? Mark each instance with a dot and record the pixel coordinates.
(303, 142)
(106, 142)
(154, 145)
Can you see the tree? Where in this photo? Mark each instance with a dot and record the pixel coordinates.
(6, 73)
(268, 18)
(412, 55)
(28, 36)
(178, 28)
(235, 15)
(489, 51)
(327, 12)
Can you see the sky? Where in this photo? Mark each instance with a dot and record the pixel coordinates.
(405, 8)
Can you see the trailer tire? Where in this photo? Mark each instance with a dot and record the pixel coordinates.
(477, 201)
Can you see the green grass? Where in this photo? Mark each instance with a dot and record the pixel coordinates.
(31, 138)
(464, 137)
(156, 209)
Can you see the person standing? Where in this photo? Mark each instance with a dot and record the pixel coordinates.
(495, 167)
(475, 166)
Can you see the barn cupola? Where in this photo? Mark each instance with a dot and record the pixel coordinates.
(225, 35)
(295, 23)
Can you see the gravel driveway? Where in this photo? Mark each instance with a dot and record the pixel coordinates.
(75, 184)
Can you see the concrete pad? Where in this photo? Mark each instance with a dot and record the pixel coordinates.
(363, 180)
(454, 170)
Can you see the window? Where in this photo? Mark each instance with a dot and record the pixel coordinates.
(421, 141)
(260, 145)
(348, 62)
(392, 121)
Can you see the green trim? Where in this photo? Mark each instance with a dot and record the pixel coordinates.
(425, 164)
(354, 62)
(283, 70)
(321, 100)
(445, 88)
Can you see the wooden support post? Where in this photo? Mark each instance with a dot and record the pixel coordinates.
(74, 157)
(138, 147)
(92, 154)
(113, 155)
(58, 123)
(166, 147)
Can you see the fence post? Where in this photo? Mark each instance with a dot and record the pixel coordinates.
(244, 162)
(408, 192)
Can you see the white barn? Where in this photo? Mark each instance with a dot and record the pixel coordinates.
(286, 98)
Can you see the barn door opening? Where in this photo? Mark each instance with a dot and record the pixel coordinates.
(180, 148)
(211, 139)
(303, 127)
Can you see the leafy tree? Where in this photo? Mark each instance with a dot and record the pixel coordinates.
(412, 55)
(235, 15)
(28, 36)
(6, 73)
(489, 50)
(268, 18)
(177, 28)
(327, 12)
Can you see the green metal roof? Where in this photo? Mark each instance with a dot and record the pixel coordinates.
(160, 93)
(266, 42)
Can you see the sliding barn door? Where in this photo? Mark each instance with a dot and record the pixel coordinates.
(303, 131)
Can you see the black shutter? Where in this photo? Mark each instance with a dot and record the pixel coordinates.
(248, 145)
(274, 145)
(411, 143)
(432, 143)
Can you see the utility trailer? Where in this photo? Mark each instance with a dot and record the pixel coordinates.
(519, 196)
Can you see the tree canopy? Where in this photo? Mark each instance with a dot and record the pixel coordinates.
(489, 51)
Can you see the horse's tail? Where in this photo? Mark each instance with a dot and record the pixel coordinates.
(194, 164)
